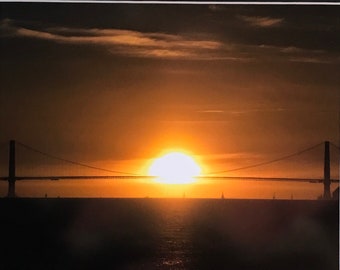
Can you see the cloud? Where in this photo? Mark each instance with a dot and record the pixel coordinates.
(133, 43)
(120, 41)
(211, 111)
(261, 21)
(215, 7)
(287, 54)
(310, 60)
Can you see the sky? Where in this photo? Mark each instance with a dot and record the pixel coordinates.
(116, 85)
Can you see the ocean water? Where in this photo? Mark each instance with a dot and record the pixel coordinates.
(168, 234)
(209, 189)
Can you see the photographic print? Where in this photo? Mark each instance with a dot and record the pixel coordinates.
(169, 135)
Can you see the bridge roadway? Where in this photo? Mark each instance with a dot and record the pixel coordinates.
(145, 177)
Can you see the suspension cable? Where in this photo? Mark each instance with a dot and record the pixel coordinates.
(268, 162)
(72, 162)
(334, 145)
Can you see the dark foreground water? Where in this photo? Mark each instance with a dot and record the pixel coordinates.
(168, 234)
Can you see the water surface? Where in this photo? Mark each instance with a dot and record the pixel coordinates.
(168, 234)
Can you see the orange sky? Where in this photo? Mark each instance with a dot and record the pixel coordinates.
(233, 85)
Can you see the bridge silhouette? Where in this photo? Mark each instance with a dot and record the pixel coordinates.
(31, 172)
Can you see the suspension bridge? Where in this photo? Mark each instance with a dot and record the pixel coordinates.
(61, 173)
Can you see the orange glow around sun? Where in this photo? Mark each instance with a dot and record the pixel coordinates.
(175, 168)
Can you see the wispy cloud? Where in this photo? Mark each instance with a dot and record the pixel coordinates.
(311, 60)
(211, 111)
(215, 7)
(123, 41)
(259, 110)
(262, 21)
(171, 46)
(288, 54)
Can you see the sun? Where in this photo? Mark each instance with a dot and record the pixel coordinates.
(175, 168)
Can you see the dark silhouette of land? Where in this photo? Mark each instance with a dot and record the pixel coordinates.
(168, 234)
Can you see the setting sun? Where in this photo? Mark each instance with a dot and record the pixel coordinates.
(175, 168)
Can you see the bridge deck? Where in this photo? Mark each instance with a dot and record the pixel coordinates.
(144, 177)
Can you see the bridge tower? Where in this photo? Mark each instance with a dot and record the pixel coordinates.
(327, 173)
(11, 170)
